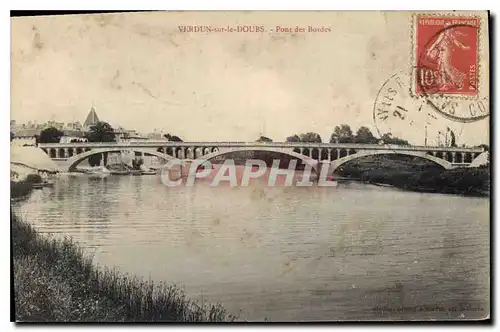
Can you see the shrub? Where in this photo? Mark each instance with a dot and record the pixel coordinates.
(34, 178)
(20, 189)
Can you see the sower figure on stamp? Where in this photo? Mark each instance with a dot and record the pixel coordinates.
(441, 51)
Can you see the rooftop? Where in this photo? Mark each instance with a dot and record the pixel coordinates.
(91, 119)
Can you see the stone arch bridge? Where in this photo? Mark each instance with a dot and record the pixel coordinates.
(332, 155)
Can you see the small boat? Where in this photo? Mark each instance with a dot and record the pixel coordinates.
(119, 169)
(150, 172)
(99, 171)
(42, 185)
(380, 184)
(116, 172)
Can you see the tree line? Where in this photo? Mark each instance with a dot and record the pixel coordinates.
(343, 134)
(104, 132)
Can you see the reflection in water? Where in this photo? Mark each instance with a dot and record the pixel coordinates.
(284, 253)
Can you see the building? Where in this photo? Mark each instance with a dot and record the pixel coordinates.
(91, 119)
(73, 136)
(122, 134)
(73, 131)
(24, 137)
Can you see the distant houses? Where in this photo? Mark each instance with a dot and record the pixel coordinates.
(25, 134)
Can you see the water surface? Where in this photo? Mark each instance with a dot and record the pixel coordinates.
(284, 253)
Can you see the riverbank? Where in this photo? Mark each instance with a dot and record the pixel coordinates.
(54, 281)
(419, 175)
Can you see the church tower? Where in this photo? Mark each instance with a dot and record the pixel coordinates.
(91, 119)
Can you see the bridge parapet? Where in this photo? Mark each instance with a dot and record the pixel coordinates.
(282, 145)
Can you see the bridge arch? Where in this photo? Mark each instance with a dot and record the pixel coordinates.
(72, 162)
(341, 161)
(305, 159)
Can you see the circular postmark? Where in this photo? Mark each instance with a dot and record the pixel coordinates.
(447, 73)
(397, 115)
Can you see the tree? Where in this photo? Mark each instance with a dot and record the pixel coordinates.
(365, 136)
(11, 136)
(172, 138)
(342, 134)
(294, 138)
(485, 147)
(100, 132)
(176, 139)
(50, 135)
(310, 137)
(453, 142)
(264, 139)
(388, 139)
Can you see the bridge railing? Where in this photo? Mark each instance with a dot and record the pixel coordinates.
(305, 145)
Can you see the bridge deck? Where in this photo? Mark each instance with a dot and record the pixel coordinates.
(282, 145)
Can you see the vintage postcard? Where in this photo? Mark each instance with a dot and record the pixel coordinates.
(250, 166)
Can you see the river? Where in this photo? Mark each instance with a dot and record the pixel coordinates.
(283, 253)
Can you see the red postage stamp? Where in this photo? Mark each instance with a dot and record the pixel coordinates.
(446, 54)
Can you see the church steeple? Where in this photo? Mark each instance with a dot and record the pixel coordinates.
(91, 119)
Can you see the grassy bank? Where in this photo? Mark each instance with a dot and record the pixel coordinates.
(416, 174)
(55, 281)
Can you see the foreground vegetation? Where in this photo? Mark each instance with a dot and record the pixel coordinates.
(416, 174)
(55, 281)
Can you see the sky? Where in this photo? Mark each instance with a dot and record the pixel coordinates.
(139, 71)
